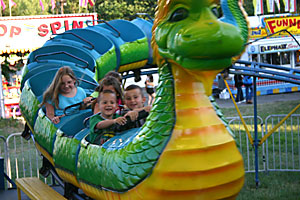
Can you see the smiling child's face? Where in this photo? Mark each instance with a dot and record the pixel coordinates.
(134, 99)
(67, 84)
(108, 105)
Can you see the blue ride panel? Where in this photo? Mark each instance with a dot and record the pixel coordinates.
(98, 42)
(129, 32)
(90, 38)
(128, 40)
(63, 52)
(37, 67)
(146, 26)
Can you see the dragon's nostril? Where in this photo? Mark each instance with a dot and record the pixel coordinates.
(187, 36)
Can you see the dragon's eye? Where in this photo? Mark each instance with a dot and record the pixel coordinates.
(216, 10)
(179, 14)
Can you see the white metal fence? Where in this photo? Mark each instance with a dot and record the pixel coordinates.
(280, 152)
(21, 159)
(283, 146)
(242, 140)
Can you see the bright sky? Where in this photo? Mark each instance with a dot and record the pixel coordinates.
(141, 83)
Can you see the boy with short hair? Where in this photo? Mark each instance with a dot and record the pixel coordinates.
(101, 125)
(134, 102)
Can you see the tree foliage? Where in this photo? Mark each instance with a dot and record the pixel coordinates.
(106, 9)
(26, 8)
(118, 9)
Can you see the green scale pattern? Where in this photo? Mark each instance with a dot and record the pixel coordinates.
(120, 169)
(29, 104)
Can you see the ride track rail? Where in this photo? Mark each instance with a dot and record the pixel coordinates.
(263, 70)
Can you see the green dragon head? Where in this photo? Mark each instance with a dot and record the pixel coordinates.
(188, 33)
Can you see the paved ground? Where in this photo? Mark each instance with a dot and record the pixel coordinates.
(294, 96)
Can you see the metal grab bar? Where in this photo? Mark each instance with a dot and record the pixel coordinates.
(101, 20)
(61, 52)
(90, 48)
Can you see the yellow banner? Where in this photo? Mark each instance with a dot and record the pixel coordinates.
(291, 24)
(257, 33)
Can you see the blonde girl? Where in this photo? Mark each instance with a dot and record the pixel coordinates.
(62, 92)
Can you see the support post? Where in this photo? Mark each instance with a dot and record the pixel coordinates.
(2, 107)
(2, 185)
(255, 130)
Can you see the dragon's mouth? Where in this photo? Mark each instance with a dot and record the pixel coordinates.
(197, 62)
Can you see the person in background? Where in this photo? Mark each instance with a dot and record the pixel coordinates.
(150, 88)
(63, 92)
(101, 124)
(248, 82)
(238, 82)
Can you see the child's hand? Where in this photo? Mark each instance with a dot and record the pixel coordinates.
(132, 114)
(147, 108)
(56, 119)
(87, 100)
(120, 120)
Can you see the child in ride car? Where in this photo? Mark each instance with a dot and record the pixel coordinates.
(101, 125)
(134, 103)
(62, 92)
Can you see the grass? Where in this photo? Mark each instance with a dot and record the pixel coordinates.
(275, 184)
(24, 159)
(272, 185)
(8, 126)
(264, 110)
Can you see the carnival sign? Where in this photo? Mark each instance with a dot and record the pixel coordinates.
(21, 34)
(275, 24)
(278, 47)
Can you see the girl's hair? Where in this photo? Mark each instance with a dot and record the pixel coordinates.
(115, 74)
(110, 80)
(54, 89)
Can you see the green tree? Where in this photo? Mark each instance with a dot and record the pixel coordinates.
(118, 9)
(26, 7)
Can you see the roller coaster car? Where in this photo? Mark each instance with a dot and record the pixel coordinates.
(123, 133)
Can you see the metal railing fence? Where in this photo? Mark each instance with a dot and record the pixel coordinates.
(280, 152)
(21, 159)
(243, 143)
(283, 146)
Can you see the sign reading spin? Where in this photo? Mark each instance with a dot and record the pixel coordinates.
(27, 33)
